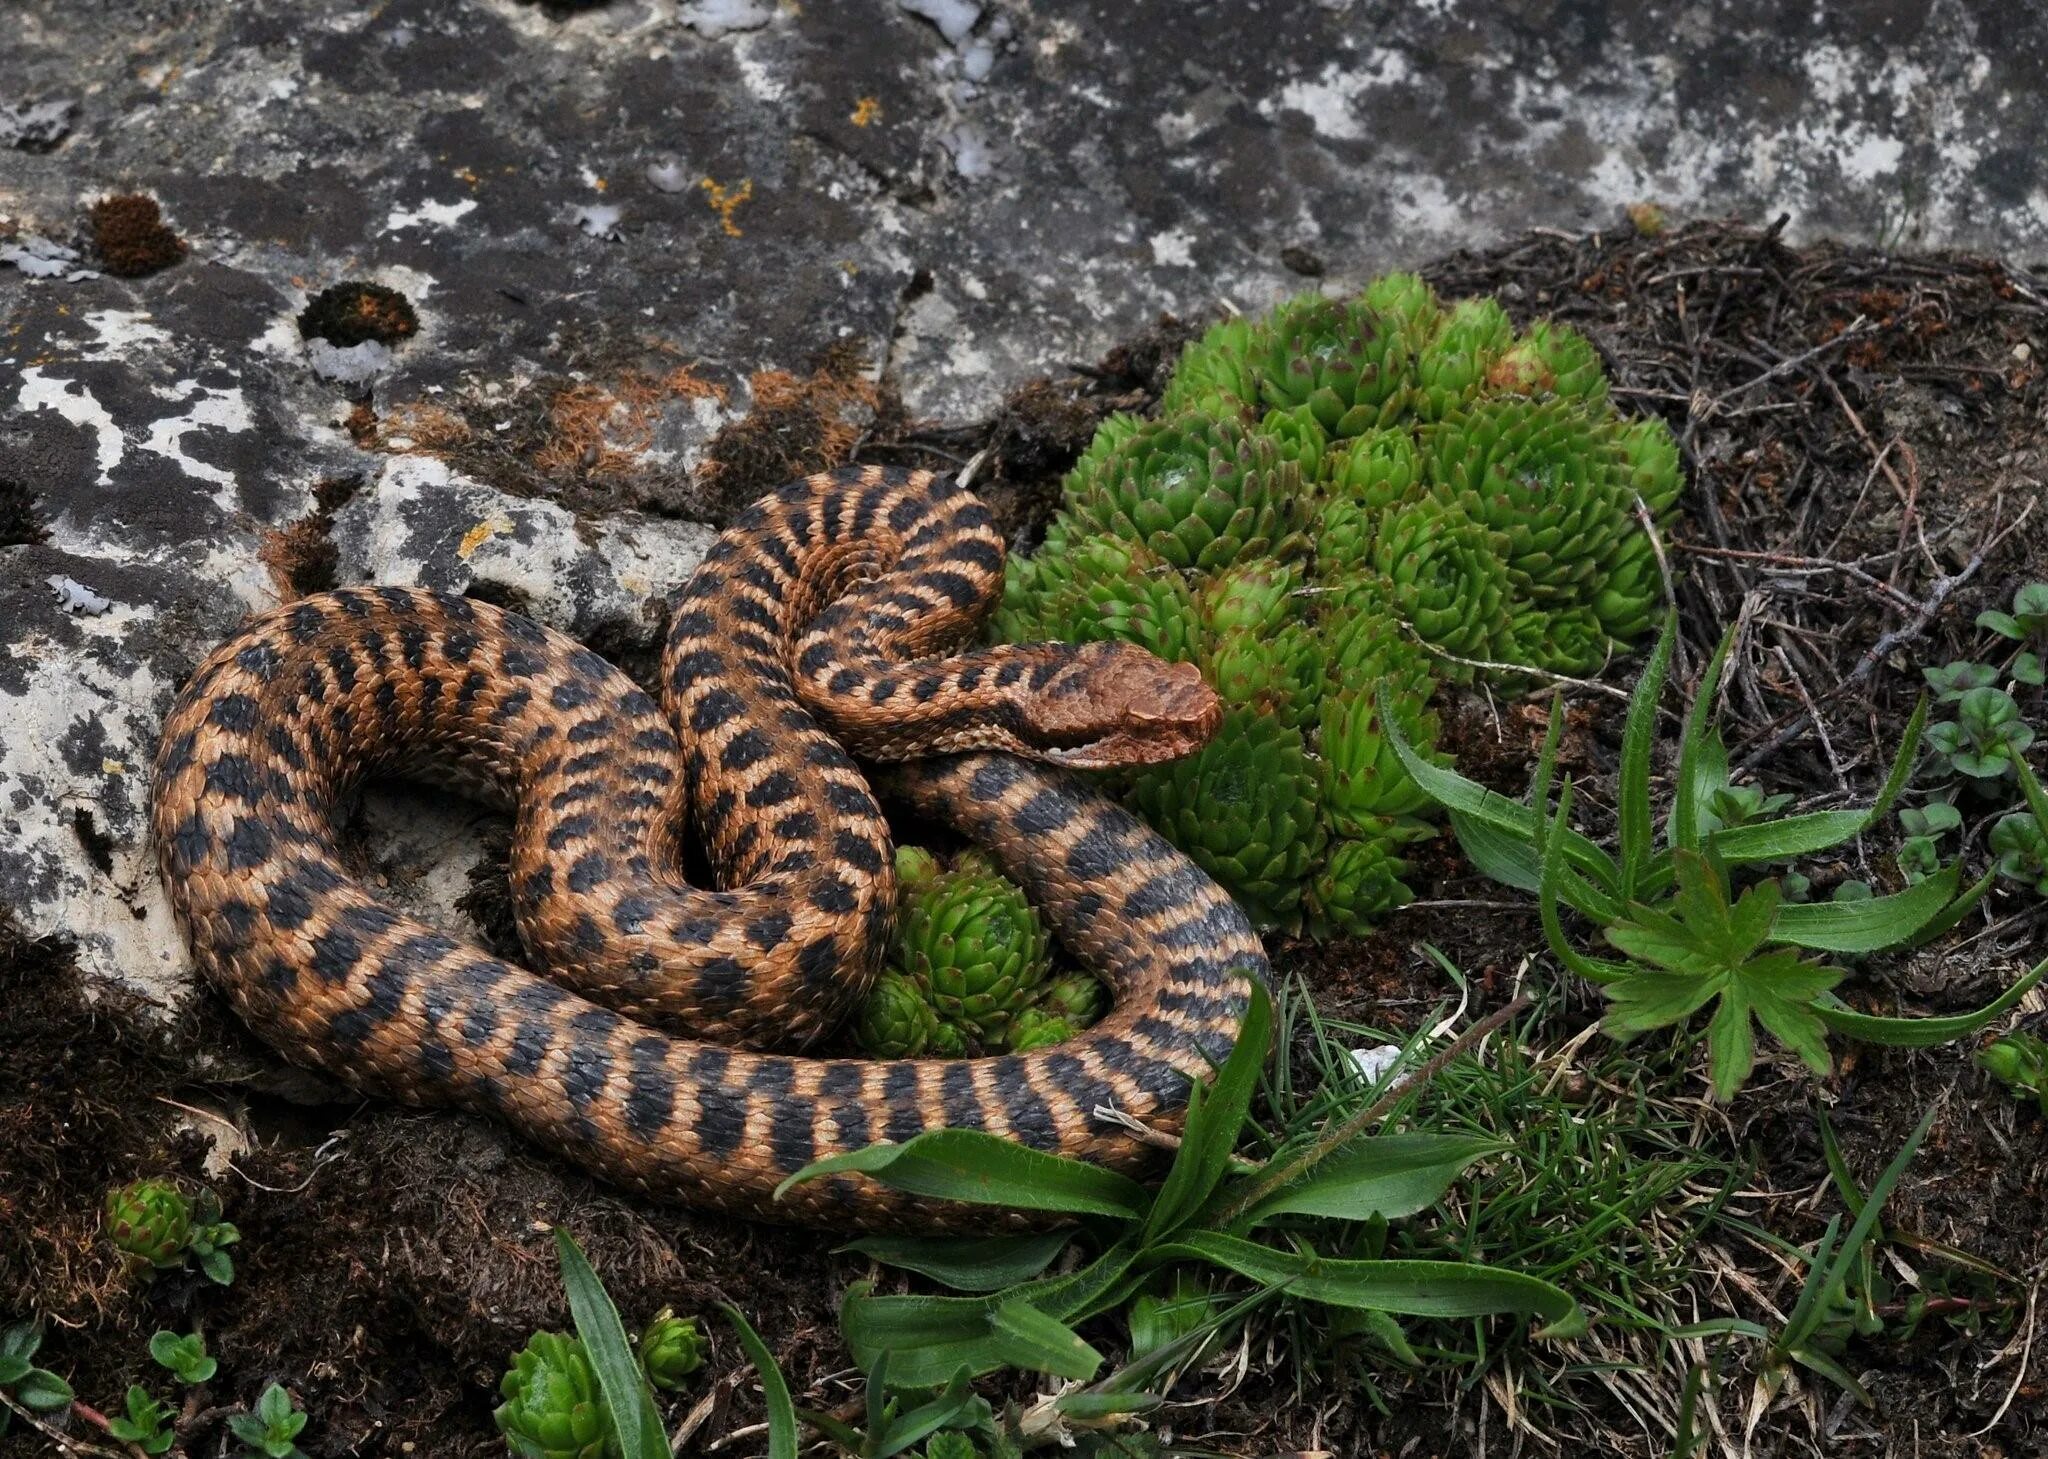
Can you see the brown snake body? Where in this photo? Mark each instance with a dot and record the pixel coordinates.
(642, 1055)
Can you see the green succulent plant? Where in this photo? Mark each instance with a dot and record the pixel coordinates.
(2026, 625)
(1215, 373)
(1199, 491)
(2019, 1061)
(1407, 302)
(1377, 470)
(150, 1222)
(1348, 363)
(1244, 807)
(1096, 588)
(1036, 1028)
(1559, 640)
(1078, 998)
(554, 1408)
(1298, 437)
(1550, 359)
(1447, 576)
(1453, 365)
(1550, 476)
(897, 1019)
(973, 942)
(1360, 880)
(670, 1349)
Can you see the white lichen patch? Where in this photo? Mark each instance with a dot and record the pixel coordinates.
(72, 400)
(81, 732)
(430, 215)
(423, 524)
(209, 408)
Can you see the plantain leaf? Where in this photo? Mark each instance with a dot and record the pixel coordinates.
(1414, 1288)
(782, 1434)
(1870, 926)
(981, 1169)
(1922, 1033)
(1215, 1119)
(1377, 1175)
(968, 1263)
(1639, 733)
(634, 1415)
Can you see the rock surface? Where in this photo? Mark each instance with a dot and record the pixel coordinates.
(966, 192)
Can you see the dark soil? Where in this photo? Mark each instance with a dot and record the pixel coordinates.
(1863, 435)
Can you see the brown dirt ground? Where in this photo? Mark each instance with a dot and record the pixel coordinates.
(1862, 433)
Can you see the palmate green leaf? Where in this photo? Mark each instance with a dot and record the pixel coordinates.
(1872, 926)
(1412, 1288)
(782, 1431)
(1216, 1117)
(634, 1416)
(1637, 828)
(1466, 797)
(981, 1169)
(1922, 1033)
(1640, 1001)
(968, 1263)
(1377, 1175)
(928, 1339)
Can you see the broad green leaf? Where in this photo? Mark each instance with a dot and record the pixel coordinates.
(1593, 970)
(1870, 926)
(952, 1405)
(782, 1432)
(1786, 837)
(1955, 911)
(984, 1170)
(1639, 734)
(928, 1339)
(968, 1263)
(1215, 1119)
(1455, 793)
(1413, 1288)
(1642, 1001)
(1702, 757)
(13, 1369)
(1377, 1175)
(1922, 1033)
(41, 1389)
(1028, 1338)
(1731, 1044)
(2030, 787)
(1503, 857)
(641, 1435)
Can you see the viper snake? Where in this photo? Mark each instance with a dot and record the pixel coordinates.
(663, 1049)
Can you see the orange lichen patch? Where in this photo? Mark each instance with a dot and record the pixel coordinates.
(726, 201)
(865, 111)
(131, 236)
(603, 430)
(798, 424)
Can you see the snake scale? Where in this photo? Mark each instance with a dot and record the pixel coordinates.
(663, 1049)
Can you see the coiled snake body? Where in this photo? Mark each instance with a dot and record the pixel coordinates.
(650, 1052)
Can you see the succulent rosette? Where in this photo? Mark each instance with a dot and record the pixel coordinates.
(553, 1407)
(897, 1019)
(1447, 576)
(1199, 491)
(973, 942)
(1349, 364)
(1452, 367)
(1244, 807)
(1096, 588)
(1360, 880)
(671, 1348)
(150, 1222)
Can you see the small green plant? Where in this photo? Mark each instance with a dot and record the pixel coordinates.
(152, 1223)
(1204, 1214)
(185, 1356)
(147, 1423)
(1984, 740)
(1919, 855)
(1704, 949)
(2019, 1061)
(1957, 678)
(272, 1428)
(36, 1389)
(1838, 1297)
(1670, 906)
(587, 1396)
(2026, 625)
(2019, 850)
(671, 1349)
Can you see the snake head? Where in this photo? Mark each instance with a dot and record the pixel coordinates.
(1115, 705)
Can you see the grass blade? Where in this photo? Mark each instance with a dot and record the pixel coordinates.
(1639, 734)
(634, 1416)
(782, 1432)
(1702, 759)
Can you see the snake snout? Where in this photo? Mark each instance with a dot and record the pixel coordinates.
(1136, 710)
